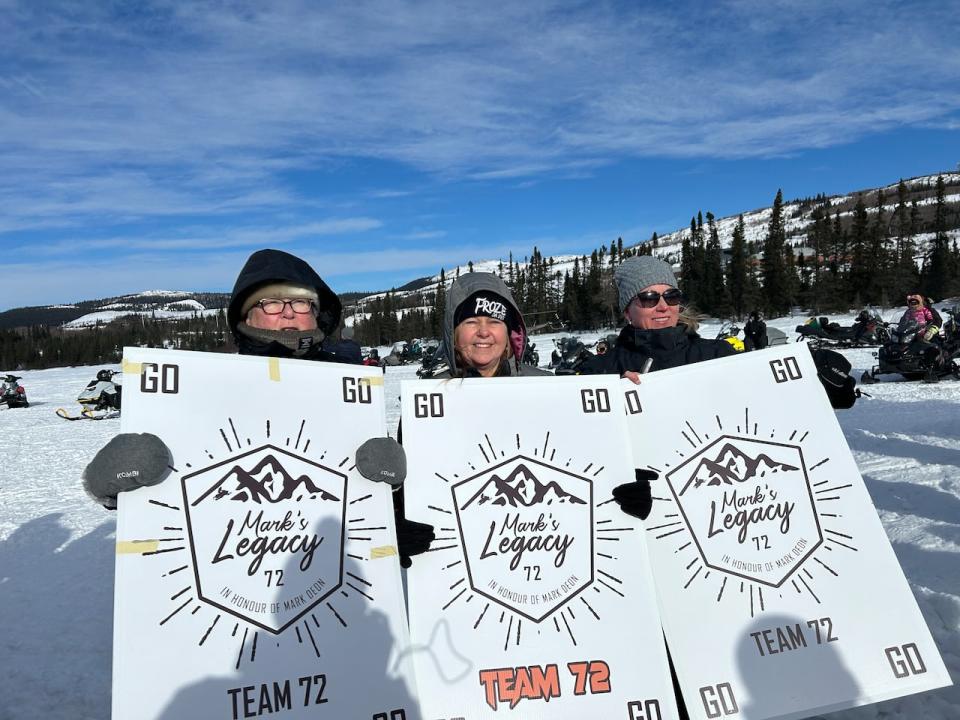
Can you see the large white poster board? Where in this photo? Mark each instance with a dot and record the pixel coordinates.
(535, 600)
(261, 578)
(779, 592)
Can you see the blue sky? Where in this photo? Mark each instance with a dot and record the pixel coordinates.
(156, 144)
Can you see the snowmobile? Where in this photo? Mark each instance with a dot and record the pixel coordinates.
(776, 337)
(434, 362)
(868, 329)
(730, 332)
(12, 394)
(100, 398)
(909, 353)
(570, 354)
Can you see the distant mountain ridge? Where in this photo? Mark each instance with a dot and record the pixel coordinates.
(160, 303)
(796, 212)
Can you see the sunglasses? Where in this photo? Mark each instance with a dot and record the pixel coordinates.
(913, 301)
(651, 299)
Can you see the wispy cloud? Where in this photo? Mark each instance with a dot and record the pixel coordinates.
(173, 126)
(204, 239)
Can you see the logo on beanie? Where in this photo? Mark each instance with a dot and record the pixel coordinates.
(492, 308)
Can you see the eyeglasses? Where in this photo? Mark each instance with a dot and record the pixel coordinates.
(651, 299)
(913, 301)
(300, 306)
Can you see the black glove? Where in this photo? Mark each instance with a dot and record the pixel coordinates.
(413, 538)
(382, 459)
(833, 371)
(635, 498)
(127, 462)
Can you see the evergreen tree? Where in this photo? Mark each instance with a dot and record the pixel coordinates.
(936, 279)
(737, 270)
(687, 272)
(439, 306)
(714, 298)
(775, 291)
(861, 265)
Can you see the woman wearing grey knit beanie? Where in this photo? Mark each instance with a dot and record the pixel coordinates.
(658, 333)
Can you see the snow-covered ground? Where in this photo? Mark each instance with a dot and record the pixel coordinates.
(57, 547)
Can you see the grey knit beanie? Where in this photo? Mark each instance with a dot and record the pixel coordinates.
(639, 272)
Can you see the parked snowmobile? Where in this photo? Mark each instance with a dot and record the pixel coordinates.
(909, 354)
(868, 329)
(100, 398)
(570, 354)
(12, 394)
(730, 332)
(434, 362)
(776, 337)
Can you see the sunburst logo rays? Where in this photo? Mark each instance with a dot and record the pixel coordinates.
(670, 524)
(607, 524)
(172, 546)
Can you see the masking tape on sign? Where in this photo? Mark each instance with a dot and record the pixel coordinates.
(373, 380)
(383, 551)
(136, 547)
(274, 368)
(131, 368)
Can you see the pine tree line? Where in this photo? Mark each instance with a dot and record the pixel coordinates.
(869, 255)
(41, 346)
(870, 259)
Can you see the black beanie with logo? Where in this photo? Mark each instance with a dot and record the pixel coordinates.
(484, 304)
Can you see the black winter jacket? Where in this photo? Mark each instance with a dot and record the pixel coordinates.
(669, 347)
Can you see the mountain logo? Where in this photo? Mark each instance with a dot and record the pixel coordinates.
(521, 488)
(731, 465)
(526, 530)
(253, 519)
(749, 507)
(266, 482)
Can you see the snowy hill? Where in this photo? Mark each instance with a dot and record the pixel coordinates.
(163, 304)
(797, 216)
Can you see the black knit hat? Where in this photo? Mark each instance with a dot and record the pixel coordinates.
(484, 304)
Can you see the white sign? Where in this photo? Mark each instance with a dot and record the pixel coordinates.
(261, 578)
(536, 598)
(781, 596)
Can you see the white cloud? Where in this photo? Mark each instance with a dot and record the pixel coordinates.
(193, 121)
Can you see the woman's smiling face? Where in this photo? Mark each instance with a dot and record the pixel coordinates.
(659, 316)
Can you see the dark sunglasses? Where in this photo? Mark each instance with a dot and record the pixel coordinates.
(651, 299)
(913, 301)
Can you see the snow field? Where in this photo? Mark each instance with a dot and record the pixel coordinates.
(57, 546)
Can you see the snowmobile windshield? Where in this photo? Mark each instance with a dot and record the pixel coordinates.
(907, 330)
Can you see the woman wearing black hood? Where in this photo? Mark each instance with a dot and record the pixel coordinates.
(280, 307)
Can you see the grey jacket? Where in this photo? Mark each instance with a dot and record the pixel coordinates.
(461, 289)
